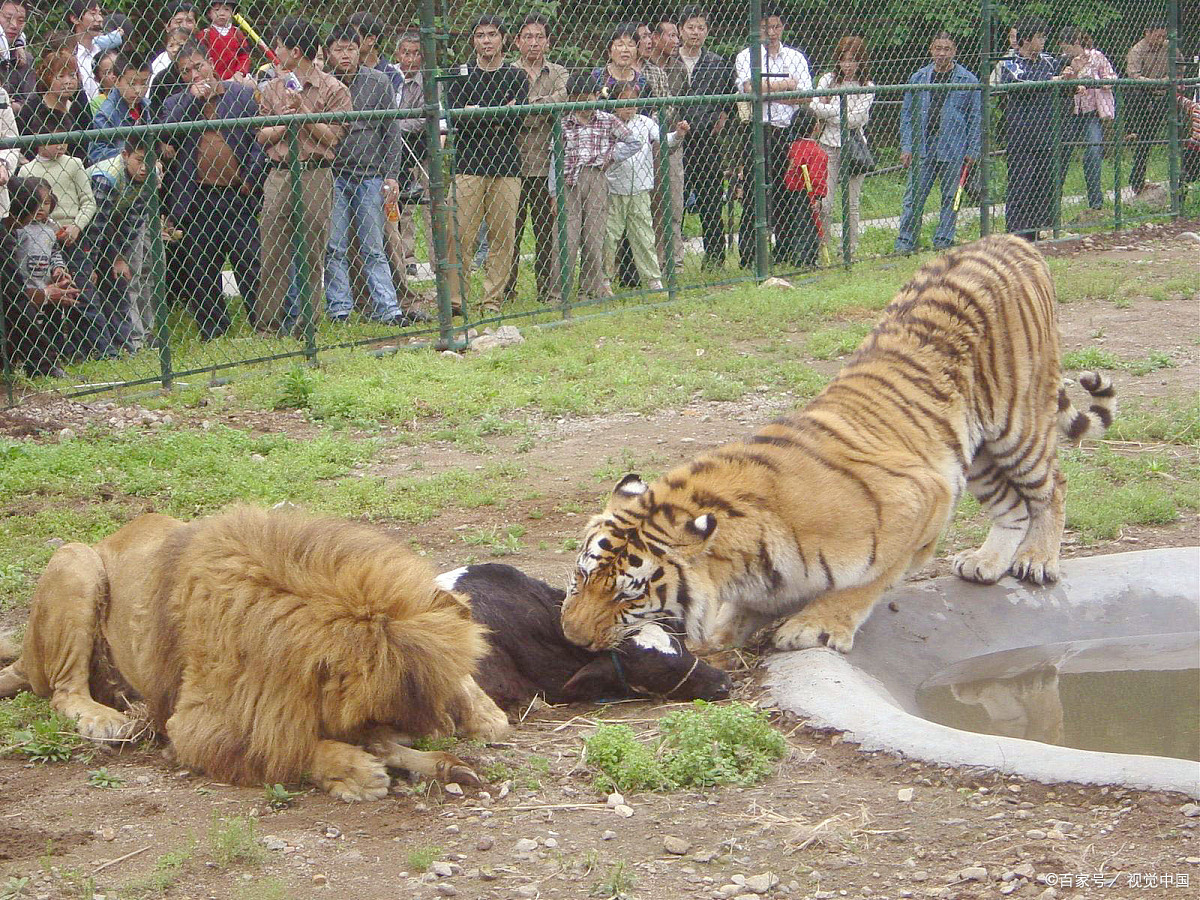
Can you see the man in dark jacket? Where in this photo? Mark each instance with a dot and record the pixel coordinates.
(703, 157)
(215, 188)
(365, 179)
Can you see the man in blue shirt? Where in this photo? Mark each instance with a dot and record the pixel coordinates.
(941, 130)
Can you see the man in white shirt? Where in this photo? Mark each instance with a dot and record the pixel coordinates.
(783, 69)
(87, 23)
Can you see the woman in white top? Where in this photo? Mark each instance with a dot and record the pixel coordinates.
(851, 71)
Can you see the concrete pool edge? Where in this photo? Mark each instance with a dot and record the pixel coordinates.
(868, 698)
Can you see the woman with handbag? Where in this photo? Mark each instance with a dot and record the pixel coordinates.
(850, 71)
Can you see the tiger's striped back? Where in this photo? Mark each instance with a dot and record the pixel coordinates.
(959, 385)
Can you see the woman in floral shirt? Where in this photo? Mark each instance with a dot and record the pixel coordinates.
(1087, 109)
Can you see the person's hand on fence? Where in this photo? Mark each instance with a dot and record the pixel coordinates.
(69, 234)
(905, 160)
(390, 190)
(61, 293)
(121, 269)
(683, 127)
(4, 173)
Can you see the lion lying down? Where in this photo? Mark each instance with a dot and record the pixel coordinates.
(268, 646)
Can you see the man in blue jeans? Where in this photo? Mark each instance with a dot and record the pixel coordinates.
(365, 172)
(941, 130)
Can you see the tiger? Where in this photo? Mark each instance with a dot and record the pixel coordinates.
(816, 515)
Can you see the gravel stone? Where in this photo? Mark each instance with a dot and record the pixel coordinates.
(676, 846)
(525, 845)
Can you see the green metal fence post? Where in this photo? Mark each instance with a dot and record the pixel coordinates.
(762, 238)
(300, 244)
(1056, 124)
(844, 178)
(985, 118)
(8, 371)
(914, 164)
(560, 212)
(437, 185)
(162, 333)
(664, 202)
(1173, 145)
(1118, 146)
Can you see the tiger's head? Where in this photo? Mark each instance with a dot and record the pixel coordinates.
(632, 567)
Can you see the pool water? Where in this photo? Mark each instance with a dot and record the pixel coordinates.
(1137, 695)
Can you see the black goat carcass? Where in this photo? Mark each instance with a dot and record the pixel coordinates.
(529, 654)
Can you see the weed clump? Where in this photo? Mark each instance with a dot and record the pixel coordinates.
(29, 727)
(703, 746)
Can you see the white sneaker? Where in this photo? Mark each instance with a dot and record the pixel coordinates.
(655, 285)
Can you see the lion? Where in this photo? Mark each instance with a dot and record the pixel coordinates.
(267, 646)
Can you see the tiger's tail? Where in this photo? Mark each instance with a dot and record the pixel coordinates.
(1075, 424)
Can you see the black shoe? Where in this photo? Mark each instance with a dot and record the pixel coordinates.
(415, 316)
(411, 269)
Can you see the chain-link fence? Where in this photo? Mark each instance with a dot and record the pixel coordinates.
(205, 187)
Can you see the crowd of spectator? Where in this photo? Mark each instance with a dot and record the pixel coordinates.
(78, 229)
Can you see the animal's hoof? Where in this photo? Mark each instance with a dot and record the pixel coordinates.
(971, 565)
(802, 635)
(465, 776)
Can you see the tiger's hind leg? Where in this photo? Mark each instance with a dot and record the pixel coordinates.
(1037, 557)
(989, 483)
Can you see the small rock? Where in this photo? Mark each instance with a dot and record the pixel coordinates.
(676, 846)
(919, 875)
(504, 336)
(107, 834)
(142, 779)
(1025, 870)
(320, 880)
(504, 789)
(55, 543)
(1011, 887)
(972, 873)
(66, 434)
(614, 800)
(705, 856)
(550, 843)
(453, 789)
(526, 890)
(452, 829)
(258, 457)
(904, 795)
(623, 811)
(445, 890)
(761, 884)
(441, 869)
(485, 843)
(608, 835)
(1035, 834)
(1191, 810)
(271, 842)
(739, 880)
(1048, 894)
(776, 283)
(525, 845)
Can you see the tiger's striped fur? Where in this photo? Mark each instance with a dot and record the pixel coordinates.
(820, 512)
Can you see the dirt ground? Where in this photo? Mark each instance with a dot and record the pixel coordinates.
(831, 822)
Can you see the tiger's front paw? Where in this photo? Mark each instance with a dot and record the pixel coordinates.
(974, 565)
(802, 633)
(1035, 571)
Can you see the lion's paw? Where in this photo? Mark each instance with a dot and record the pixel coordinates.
(802, 633)
(356, 776)
(450, 768)
(487, 725)
(973, 565)
(102, 723)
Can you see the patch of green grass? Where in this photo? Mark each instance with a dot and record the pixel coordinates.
(102, 778)
(830, 343)
(500, 541)
(1168, 421)
(1091, 358)
(1107, 490)
(617, 884)
(703, 746)
(168, 869)
(279, 797)
(233, 840)
(14, 888)
(30, 728)
(1154, 361)
(421, 858)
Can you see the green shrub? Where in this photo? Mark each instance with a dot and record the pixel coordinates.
(703, 746)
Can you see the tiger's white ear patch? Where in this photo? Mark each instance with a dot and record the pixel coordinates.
(703, 526)
(631, 486)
